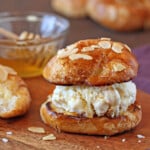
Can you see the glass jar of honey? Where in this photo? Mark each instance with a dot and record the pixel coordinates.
(30, 54)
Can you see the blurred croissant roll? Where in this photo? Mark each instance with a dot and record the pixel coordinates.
(70, 8)
(127, 15)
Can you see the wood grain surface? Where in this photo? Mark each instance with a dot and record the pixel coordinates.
(22, 139)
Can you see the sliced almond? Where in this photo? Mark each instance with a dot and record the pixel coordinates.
(80, 56)
(65, 53)
(95, 46)
(60, 51)
(118, 67)
(3, 74)
(23, 35)
(37, 36)
(86, 49)
(30, 36)
(105, 44)
(49, 137)
(10, 70)
(117, 47)
(36, 129)
(127, 47)
(105, 39)
(72, 46)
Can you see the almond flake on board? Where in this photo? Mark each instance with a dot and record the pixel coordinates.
(49, 137)
(4, 140)
(140, 136)
(36, 129)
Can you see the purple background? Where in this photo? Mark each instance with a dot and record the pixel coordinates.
(143, 79)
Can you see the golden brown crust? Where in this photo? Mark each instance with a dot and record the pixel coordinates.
(94, 126)
(70, 8)
(12, 108)
(117, 14)
(107, 63)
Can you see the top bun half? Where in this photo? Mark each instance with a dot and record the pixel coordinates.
(93, 62)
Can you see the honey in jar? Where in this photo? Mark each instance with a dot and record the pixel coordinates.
(27, 61)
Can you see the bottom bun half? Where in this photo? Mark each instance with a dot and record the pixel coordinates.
(92, 126)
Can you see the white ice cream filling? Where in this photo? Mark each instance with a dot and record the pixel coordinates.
(113, 99)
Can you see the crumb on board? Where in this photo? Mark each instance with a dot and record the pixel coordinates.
(123, 140)
(139, 141)
(97, 146)
(106, 137)
(9, 133)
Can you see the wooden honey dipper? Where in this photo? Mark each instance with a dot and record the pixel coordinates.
(23, 36)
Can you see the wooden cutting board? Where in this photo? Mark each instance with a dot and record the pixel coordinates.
(22, 139)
